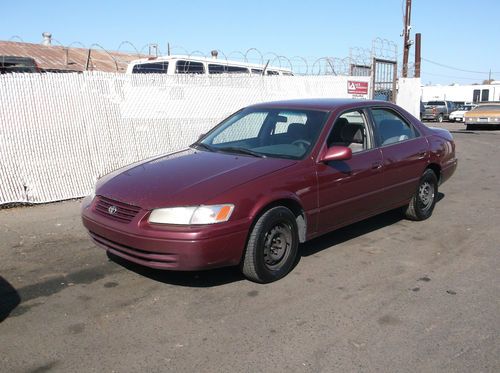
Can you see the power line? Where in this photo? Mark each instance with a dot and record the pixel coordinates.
(458, 69)
(452, 77)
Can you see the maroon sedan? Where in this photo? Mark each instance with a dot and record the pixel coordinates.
(267, 178)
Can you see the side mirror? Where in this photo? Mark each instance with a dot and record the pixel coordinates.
(336, 153)
(201, 136)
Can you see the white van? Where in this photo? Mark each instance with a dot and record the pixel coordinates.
(181, 64)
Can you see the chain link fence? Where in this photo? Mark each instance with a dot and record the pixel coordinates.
(59, 132)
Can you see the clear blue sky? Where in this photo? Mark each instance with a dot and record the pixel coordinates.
(461, 34)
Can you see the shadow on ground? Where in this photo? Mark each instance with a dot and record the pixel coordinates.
(222, 276)
(9, 299)
(202, 279)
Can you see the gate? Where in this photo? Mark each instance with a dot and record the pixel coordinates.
(384, 76)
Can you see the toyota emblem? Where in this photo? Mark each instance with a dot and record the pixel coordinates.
(112, 210)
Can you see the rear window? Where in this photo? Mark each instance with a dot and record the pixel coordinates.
(487, 108)
(436, 103)
(189, 67)
(150, 68)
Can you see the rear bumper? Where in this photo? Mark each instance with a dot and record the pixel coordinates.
(448, 170)
(182, 248)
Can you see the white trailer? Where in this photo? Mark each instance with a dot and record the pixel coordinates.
(462, 93)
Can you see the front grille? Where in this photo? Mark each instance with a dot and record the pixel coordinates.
(122, 212)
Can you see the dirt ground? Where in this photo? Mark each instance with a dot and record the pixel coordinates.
(386, 295)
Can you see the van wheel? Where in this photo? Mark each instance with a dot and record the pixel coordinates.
(272, 246)
(423, 201)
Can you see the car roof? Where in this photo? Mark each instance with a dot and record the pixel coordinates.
(325, 104)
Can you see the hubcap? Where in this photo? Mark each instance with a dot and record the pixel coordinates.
(426, 195)
(277, 244)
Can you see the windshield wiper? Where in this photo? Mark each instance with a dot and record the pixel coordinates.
(235, 149)
(201, 145)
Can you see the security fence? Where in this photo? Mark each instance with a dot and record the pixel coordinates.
(59, 132)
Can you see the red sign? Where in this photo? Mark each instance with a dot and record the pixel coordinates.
(357, 88)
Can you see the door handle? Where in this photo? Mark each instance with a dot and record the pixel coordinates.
(376, 165)
(421, 154)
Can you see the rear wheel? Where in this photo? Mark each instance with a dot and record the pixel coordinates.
(272, 246)
(440, 118)
(423, 201)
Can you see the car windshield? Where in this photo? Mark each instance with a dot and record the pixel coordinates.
(465, 107)
(281, 133)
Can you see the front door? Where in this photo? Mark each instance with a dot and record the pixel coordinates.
(352, 189)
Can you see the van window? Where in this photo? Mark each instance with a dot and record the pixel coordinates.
(189, 67)
(257, 71)
(272, 72)
(216, 69)
(151, 68)
(226, 69)
(237, 70)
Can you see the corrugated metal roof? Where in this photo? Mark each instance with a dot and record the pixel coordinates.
(59, 58)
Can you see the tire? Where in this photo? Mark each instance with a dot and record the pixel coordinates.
(272, 246)
(423, 201)
(468, 127)
(440, 118)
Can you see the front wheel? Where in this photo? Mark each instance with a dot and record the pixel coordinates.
(423, 201)
(272, 246)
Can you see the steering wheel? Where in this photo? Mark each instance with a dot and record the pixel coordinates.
(301, 143)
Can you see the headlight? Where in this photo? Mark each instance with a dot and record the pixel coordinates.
(195, 215)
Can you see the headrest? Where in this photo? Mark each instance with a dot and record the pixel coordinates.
(353, 133)
(297, 130)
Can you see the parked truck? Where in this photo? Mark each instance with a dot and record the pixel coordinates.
(438, 110)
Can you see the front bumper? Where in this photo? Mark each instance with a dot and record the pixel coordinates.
(175, 248)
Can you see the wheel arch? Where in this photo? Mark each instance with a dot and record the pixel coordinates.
(293, 205)
(436, 168)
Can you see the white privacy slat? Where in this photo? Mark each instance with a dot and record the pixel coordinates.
(59, 132)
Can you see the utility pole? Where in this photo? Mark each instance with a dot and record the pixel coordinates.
(418, 56)
(406, 38)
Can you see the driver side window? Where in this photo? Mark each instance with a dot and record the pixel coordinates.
(351, 130)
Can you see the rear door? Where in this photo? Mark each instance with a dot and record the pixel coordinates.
(404, 153)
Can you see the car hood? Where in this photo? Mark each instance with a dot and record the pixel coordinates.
(185, 178)
(458, 112)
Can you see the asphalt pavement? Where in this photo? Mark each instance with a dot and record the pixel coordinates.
(383, 295)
